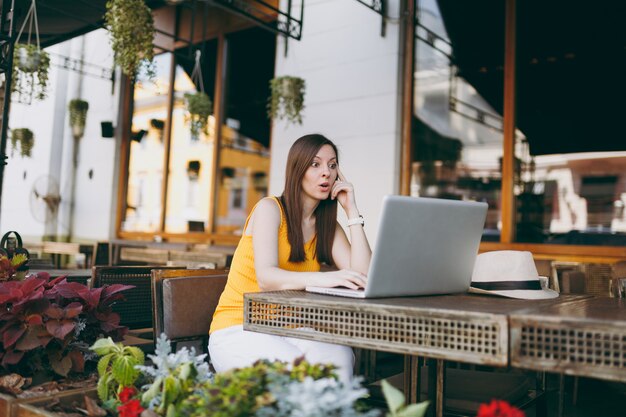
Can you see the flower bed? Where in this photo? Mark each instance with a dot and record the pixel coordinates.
(59, 405)
(9, 404)
(47, 326)
(180, 384)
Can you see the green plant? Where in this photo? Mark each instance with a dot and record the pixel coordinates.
(47, 324)
(241, 392)
(26, 139)
(131, 27)
(286, 100)
(10, 267)
(78, 115)
(116, 368)
(396, 403)
(174, 375)
(30, 71)
(199, 106)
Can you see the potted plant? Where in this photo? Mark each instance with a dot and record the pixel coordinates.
(25, 138)
(199, 106)
(30, 71)
(131, 28)
(78, 116)
(287, 99)
(48, 324)
(14, 268)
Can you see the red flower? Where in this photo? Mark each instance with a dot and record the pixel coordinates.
(130, 409)
(498, 408)
(126, 394)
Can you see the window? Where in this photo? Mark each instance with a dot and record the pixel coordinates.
(456, 134)
(142, 211)
(184, 184)
(568, 181)
(244, 148)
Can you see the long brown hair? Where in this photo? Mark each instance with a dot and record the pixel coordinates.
(299, 160)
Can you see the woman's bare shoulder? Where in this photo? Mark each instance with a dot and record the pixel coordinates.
(267, 209)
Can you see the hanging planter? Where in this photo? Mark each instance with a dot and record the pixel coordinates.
(78, 116)
(131, 28)
(199, 107)
(30, 63)
(25, 138)
(287, 99)
(199, 104)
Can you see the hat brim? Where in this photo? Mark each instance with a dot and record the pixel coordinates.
(520, 294)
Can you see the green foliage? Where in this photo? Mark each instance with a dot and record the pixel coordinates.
(116, 367)
(26, 140)
(287, 99)
(175, 375)
(199, 106)
(131, 26)
(30, 72)
(78, 113)
(243, 391)
(396, 403)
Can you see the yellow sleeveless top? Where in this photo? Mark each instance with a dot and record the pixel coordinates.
(242, 275)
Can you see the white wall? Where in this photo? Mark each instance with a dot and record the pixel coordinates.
(52, 152)
(352, 97)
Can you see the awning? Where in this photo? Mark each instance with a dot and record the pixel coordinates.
(571, 68)
(60, 20)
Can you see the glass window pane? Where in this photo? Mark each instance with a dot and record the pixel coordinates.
(191, 166)
(456, 128)
(244, 152)
(571, 182)
(147, 150)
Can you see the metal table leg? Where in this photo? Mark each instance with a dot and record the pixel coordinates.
(411, 379)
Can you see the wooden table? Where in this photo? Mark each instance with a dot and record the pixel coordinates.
(464, 328)
(587, 338)
(73, 275)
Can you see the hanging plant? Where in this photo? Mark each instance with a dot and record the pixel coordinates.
(26, 139)
(287, 99)
(131, 28)
(30, 62)
(199, 107)
(78, 116)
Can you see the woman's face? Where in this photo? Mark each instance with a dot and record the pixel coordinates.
(321, 174)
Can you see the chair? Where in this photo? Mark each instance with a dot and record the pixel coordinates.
(598, 276)
(136, 311)
(102, 254)
(573, 282)
(619, 269)
(544, 269)
(184, 302)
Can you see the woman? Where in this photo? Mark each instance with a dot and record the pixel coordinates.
(285, 242)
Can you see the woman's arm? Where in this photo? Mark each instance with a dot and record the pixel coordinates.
(356, 254)
(264, 229)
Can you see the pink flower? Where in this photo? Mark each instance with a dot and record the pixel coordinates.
(498, 408)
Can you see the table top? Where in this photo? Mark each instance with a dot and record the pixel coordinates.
(464, 303)
(461, 327)
(64, 272)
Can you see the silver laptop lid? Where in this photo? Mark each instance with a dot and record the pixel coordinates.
(425, 246)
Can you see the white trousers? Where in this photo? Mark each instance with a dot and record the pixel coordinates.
(235, 348)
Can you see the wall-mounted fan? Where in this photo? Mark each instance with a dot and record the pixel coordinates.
(44, 198)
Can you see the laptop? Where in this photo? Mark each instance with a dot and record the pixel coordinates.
(425, 246)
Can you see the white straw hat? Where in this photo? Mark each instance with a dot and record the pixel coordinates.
(508, 273)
